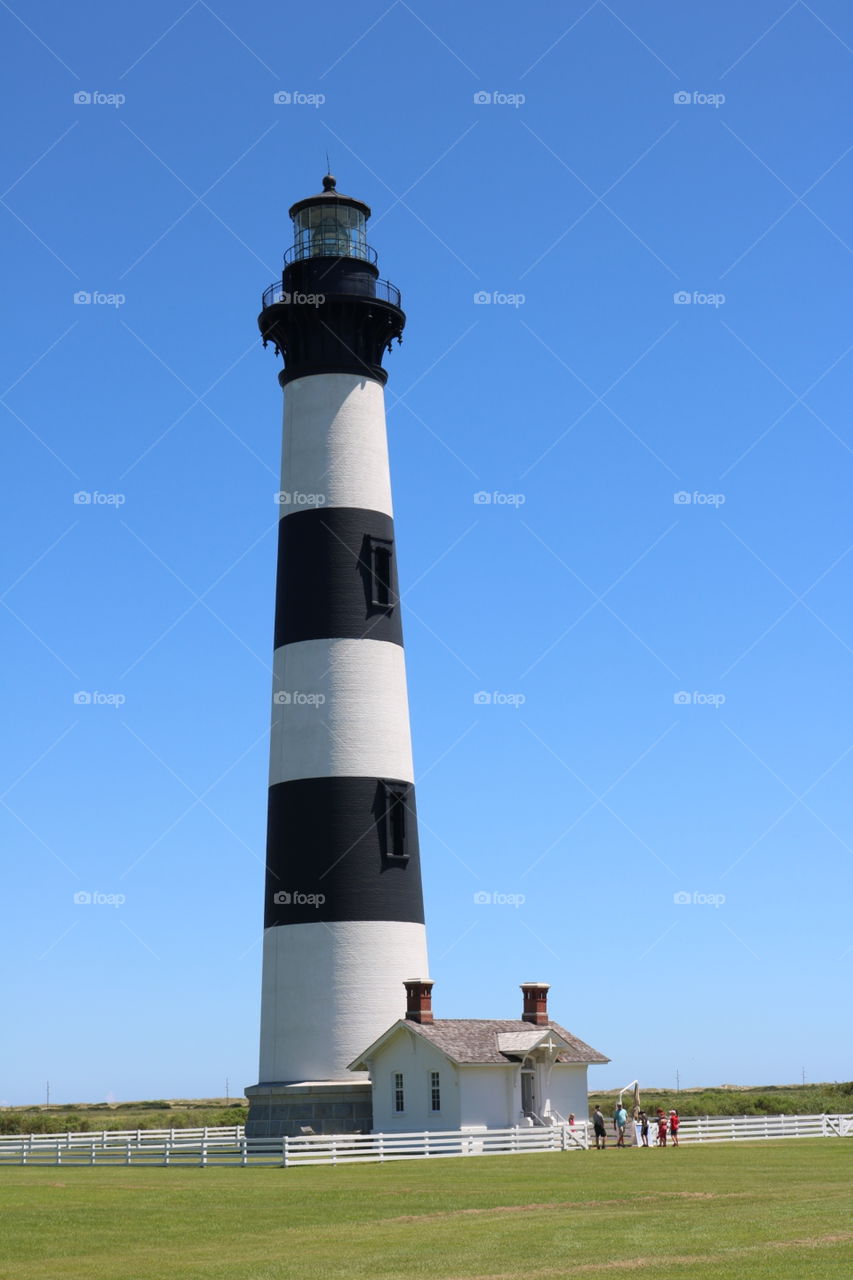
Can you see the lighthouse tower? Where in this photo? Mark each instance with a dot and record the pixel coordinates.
(343, 911)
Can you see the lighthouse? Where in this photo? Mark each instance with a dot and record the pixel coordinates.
(343, 907)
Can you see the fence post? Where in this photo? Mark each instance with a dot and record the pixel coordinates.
(285, 1151)
(244, 1158)
(381, 1149)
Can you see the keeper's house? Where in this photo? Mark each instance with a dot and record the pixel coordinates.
(460, 1073)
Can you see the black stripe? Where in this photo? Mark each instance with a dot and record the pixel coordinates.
(327, 848)
(324, 589)
(371, 374)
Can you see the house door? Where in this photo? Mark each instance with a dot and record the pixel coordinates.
(528, 1094)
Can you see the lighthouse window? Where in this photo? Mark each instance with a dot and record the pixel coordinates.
(435, 1091)
(396, 795)
(329, 229)
(399, 1096)
(382, 594)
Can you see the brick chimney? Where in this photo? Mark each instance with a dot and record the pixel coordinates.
(418, 1000)
(535, 1003)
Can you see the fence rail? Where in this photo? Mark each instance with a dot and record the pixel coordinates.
(740, 1128)
(228, 1145)
(120, 1137)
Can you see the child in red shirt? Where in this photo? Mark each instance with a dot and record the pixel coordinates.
(673, 1126)
(661, 1129)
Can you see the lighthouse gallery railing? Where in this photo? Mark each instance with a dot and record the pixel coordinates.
(384, 290)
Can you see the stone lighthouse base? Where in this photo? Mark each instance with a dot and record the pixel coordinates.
(326, 1106)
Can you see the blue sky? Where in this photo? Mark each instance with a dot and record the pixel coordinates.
(669, 515)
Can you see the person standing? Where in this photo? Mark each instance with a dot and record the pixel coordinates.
(674, 1121)
(661, 1128)
(620, 1119)
(644, 1128)
(599, 1129)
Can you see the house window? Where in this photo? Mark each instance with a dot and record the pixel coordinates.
(435, 1091)
(396, 820)
(399, 1096)
(382, 595)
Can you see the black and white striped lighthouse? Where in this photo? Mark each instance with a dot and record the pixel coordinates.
(343, 912)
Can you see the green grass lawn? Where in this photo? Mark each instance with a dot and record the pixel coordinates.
(771, 1210)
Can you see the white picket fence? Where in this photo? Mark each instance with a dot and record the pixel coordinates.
(743, 1128)
(112, 1137)
(230, 1146)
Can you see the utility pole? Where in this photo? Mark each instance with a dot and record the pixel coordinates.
(227, 1095)
(47, 1094)
(804, 1075)
(677, 1081)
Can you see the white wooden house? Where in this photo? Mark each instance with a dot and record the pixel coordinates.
(431, 1073)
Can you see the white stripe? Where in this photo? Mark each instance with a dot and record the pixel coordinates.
(330, 990)
(335, 448)
(340, 709)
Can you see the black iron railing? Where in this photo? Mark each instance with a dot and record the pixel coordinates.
(384, 290)
(299, 252)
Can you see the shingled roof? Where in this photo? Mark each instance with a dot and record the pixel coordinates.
(476, 1039)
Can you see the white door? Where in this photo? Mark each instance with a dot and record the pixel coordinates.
(528, 1091)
